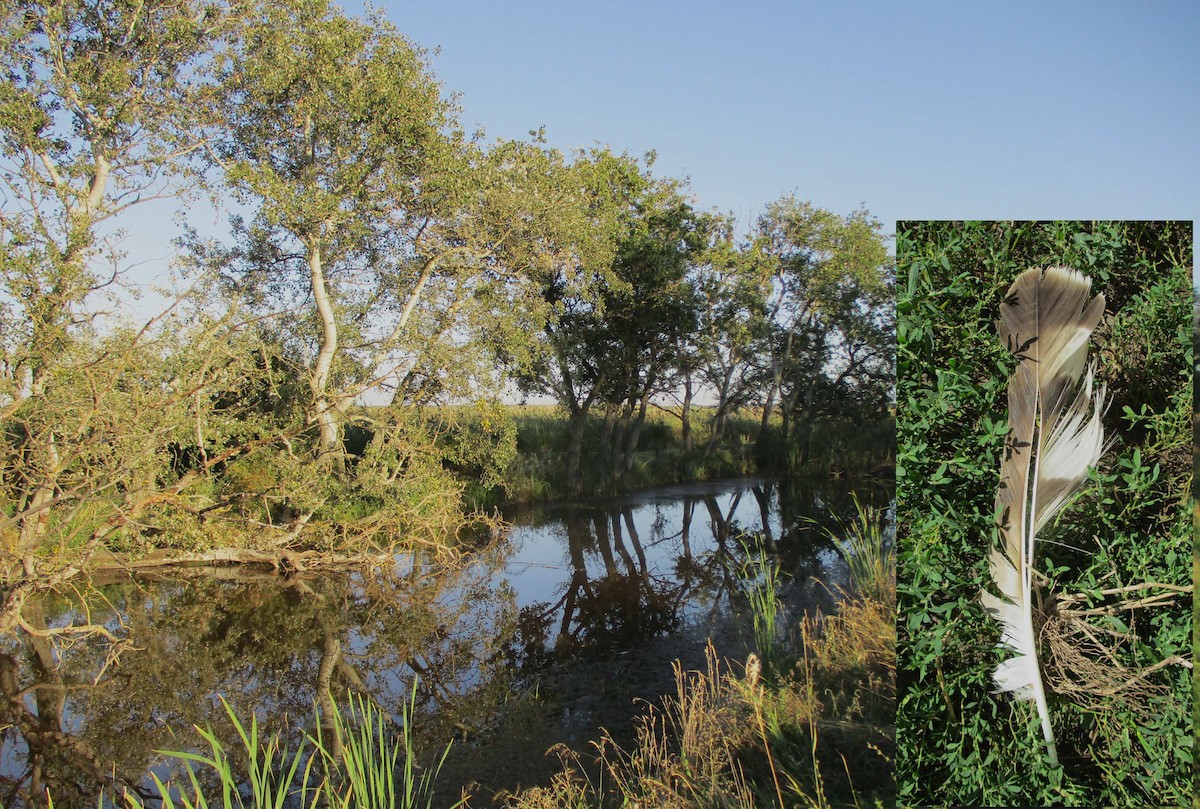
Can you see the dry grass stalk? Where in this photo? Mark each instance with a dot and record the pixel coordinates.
(1083, 659)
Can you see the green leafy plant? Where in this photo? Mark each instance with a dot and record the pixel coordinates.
(959, 742)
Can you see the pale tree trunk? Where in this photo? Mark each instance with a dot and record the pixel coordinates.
(766, 414)
(685, 417)
(324, 412)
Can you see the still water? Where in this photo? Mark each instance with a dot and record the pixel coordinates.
(565, 624)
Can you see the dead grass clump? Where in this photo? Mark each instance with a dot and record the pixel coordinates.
(853, 654)
(814, 734)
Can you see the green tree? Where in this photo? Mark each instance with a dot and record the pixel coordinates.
(337, 133)
(650, 314)
(619, 305)
(733, 281)
(830, 285)
(566, 360)
(97, 114)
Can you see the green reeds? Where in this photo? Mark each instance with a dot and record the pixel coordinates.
(354, 761)
(870, 556)
(262, 786)
(366, 757)
(760, 582)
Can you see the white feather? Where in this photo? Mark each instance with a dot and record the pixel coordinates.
(1054, 436)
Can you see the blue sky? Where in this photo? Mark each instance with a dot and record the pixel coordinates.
(946, 110)
(952, 110)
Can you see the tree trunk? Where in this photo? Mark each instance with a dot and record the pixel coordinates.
(575, 453)
(635, 433)
(764, 510)
(766, 415)
(619, 442)
(685, 417)
(323, 411)
(331, 654)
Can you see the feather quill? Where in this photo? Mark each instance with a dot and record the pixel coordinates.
(1054, 436)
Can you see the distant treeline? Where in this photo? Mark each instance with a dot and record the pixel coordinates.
(530, 447)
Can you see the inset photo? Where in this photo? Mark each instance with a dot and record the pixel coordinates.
(1044, 544)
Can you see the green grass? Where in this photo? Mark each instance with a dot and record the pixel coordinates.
(352, 759)
(962, 743)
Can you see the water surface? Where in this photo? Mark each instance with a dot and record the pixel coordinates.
(567, 623)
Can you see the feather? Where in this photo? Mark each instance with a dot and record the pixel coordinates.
(1054, 436)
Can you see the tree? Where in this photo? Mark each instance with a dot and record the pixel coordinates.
(830, 272)
(619, 303)
(567, 361)
(336, 131)
(733, 281)
(97, 114)
(651, 314)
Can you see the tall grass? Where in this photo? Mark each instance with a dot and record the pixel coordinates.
(356, 762)
(838, 445)
(760, 582)
(266, 782)
(869, 553)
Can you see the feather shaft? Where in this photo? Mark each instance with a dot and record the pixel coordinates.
(1054, 436)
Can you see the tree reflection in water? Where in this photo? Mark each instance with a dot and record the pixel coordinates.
(508, 662)
(269, 646)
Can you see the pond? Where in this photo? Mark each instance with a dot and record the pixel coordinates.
(565, 624)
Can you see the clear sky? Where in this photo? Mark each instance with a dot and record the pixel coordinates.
(930, 110)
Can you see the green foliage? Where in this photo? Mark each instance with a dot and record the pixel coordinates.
(97, 107)
(960, 743)
(479, 442)
(351, 760)
(835, 444)
(759, 581)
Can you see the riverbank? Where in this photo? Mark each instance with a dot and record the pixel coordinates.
(668, 453)
(804, 720)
